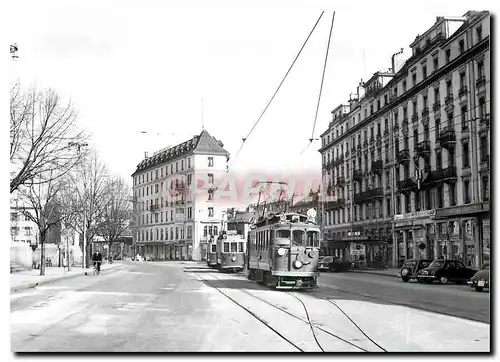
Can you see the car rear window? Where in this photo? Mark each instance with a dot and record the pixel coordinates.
(327, 259)
(411, 263)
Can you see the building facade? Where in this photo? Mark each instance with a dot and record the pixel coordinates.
(406, 164)
(175, 213)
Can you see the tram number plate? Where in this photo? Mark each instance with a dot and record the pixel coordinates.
(480, 283)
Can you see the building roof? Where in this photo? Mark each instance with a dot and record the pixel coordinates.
(241, 217)
(203, 143)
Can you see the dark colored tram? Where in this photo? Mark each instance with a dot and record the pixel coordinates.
(212, 253)
(283, 251)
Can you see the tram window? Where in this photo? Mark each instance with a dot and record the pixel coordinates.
(226, 247)
(312, 239)
(298, 237)
(234, 247)
(214, 248)
(282, 234)
(240, 247)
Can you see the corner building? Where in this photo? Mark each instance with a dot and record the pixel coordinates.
(406, 164)
(174, 209)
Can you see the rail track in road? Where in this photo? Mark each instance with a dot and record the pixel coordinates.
(307, 321)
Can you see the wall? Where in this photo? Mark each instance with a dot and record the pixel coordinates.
(21, 254)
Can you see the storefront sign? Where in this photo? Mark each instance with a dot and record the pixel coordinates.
(415, 215)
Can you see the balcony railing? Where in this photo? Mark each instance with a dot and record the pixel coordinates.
(377, 166)
(436, 107)
(414, 117)
(333, 205)
(407, 185)
(340, 180)
(462, 92)
(153, 208)
(403, 156)
(424, 148)
(481, 81)
(368, 195)
(425, 112)
(447, 137)
(358, 175)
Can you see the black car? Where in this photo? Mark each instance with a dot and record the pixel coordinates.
(481, 279)
(444, 271)
(411, 267)
(332, 263)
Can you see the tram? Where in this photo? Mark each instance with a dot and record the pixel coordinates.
(212, 253)
(231, 251)
(283, 251)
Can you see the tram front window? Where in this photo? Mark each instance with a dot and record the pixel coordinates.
(214, 248)
(312, 239)
(234, 247)
(226, 247)
(282, 234)
(298, 237)
(240, 247)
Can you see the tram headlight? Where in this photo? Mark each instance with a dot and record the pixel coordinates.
(233, 258)
(281, 251)
(297, 264)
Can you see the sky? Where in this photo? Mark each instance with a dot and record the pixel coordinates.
(145, 66)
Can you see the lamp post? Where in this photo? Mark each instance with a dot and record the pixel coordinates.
(78, 146)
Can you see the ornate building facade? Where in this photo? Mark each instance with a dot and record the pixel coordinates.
(406, 163)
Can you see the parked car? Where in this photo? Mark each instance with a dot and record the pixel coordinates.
(481, 279)
(411, 267)
(444, 271)
(333, 264)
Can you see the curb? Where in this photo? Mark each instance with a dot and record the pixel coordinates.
(374, 273)
(52, 280)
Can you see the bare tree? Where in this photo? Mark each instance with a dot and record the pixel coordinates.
(117, 212)
(88, 199)
(41, 133)
(47, 208)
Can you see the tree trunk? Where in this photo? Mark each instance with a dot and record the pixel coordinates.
(42, 256)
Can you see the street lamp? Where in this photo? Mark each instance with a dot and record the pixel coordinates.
(78, 146)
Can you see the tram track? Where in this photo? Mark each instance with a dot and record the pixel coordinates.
(307, 321)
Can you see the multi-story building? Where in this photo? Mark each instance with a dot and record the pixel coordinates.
(174, 208)
(413, 149)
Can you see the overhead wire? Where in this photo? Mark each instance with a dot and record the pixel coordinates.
(272, 98)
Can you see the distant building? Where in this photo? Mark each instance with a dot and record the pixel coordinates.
(173, 215)
(406, 164)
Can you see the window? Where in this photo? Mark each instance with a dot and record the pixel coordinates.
(424, 71)
(485, 190)
(189, 162)
(210, 162)
(449, 88)
(466, 191)
(27, 231)
(189, 179)
(210, 212)
(439, 162)
(414, 79)
(404, 86)
(435, 62)
(190, 213)
(177, 166)
(234, 247)
(461, 46)
(484, 148)
(463, 116)
(226, 247)
(161, 172)
(210, 195)
(240, 247)
(453, 194)
(417, 200)
(182, 165)
(440, 196)
(205, 231)
(465, 155)
(210, 178)
(479, 32)
(312, 239)
(448, 55)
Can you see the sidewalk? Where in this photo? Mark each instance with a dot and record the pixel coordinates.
(390, 272)
(32, 278)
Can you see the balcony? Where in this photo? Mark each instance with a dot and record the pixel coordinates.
(425, 116)
(447, 137)
(407, 185)
(327, 166)
(377, 166)
(485, 164)
(447, 175)
(436, 107)
(396, 127)
(334, 205)
(481, 82)
(484, 121)
(424, 149)
(372, 140)
(340, 180)
(414, 118)
(153, 208)
(367, 195)
(386, 133)
(448, 103)
(358, 175)
(462, 96)
(403, 156)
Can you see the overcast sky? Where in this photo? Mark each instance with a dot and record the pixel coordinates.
(132, 66)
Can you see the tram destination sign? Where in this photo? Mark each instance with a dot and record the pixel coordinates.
(415, 215)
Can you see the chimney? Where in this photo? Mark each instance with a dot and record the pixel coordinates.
(397, 61)
(145, 154)
(361, 89)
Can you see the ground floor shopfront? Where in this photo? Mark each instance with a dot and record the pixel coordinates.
(459, 233)
(167, 251)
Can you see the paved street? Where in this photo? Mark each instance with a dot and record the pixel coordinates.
(455, 300)
(183, 306)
